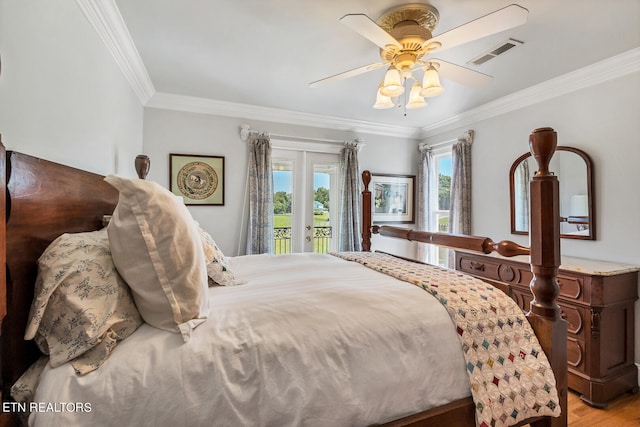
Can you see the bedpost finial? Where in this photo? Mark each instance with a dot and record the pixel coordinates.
(366, 179)
(143, 164)
(543, 143)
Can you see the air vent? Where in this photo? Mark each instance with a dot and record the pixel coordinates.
(498, 50)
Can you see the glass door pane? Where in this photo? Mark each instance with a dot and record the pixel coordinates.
(325, 200)
(282, 205)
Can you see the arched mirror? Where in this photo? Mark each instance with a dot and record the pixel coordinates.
(575, 173)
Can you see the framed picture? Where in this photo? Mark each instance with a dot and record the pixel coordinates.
(393, 198)
(198, 179)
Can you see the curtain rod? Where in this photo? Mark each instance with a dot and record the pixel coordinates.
(466, 137)
(306, 139)
(245, 131)
(448, 142)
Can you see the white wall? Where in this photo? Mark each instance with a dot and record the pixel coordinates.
(62, 96)
(168, 132)
(603, 122)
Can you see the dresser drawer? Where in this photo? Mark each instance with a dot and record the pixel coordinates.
(576, 355)
(482, 268)
(570, 287)
(576, 319)
(515, 273)
(490, 269)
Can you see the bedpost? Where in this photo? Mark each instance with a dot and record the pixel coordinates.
(544, 315)
(366, 212)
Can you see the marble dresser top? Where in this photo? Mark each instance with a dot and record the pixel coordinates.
(581, 265)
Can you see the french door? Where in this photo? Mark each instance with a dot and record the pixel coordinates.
(306, 200)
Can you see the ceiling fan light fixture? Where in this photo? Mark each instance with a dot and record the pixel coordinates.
(392, 84)
(382, 102)
(415, 99)
(431, 83)
(405, 37)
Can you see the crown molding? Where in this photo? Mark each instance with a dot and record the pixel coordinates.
(106, 19)
(609, 69)
(591, 75)
(169, 101)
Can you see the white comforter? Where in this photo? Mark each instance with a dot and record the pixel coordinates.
(309, 340)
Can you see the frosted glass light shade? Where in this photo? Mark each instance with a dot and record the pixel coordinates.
(415, 100)
(382, 102)
(431, 83)
(392, 84)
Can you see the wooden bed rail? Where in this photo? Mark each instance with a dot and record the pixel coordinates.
(458, 241)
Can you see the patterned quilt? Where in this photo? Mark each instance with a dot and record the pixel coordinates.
(510, 375)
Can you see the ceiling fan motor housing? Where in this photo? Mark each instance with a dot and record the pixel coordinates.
(410, 25)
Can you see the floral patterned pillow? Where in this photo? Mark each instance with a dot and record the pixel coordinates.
(217, 266)
(82, 307)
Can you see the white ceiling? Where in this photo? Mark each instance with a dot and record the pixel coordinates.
(266, 52)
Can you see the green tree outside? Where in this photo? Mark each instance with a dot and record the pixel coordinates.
(281, 203)
(444, 192)
(321, 195)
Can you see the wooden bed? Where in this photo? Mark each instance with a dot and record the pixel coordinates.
(42, 200)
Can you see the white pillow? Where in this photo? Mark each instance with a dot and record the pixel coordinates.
(156, 247)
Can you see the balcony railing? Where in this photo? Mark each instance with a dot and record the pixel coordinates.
(321, 239)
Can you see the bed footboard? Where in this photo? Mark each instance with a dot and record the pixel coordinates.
(544, 252)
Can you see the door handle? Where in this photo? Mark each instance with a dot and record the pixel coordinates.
(308, 227)
(308, 238)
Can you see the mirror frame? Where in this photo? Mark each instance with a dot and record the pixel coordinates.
(590, 194)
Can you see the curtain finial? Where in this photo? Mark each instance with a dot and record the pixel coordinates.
(467, 136)
(357, 143)
(424, 147)
(245, 131)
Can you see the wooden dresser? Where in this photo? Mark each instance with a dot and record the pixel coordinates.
(597, 300)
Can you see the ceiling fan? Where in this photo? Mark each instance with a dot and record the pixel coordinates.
(404, 35)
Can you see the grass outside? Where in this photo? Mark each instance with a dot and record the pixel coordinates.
(284, 221)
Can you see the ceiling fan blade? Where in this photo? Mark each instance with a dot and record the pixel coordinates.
(500, 20)
(347, 74)
(462, 75)
(363, 25)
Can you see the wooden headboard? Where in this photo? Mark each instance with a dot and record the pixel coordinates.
(41, 198)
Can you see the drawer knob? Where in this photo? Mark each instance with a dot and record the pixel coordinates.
(506, 273)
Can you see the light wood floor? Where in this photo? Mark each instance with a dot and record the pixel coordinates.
(621, 412)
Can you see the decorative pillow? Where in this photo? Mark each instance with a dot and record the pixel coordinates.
(156, 247)
(24, 389)
(81, 307)
(217, 266)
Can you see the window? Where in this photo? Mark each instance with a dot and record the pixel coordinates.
(440, 216)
